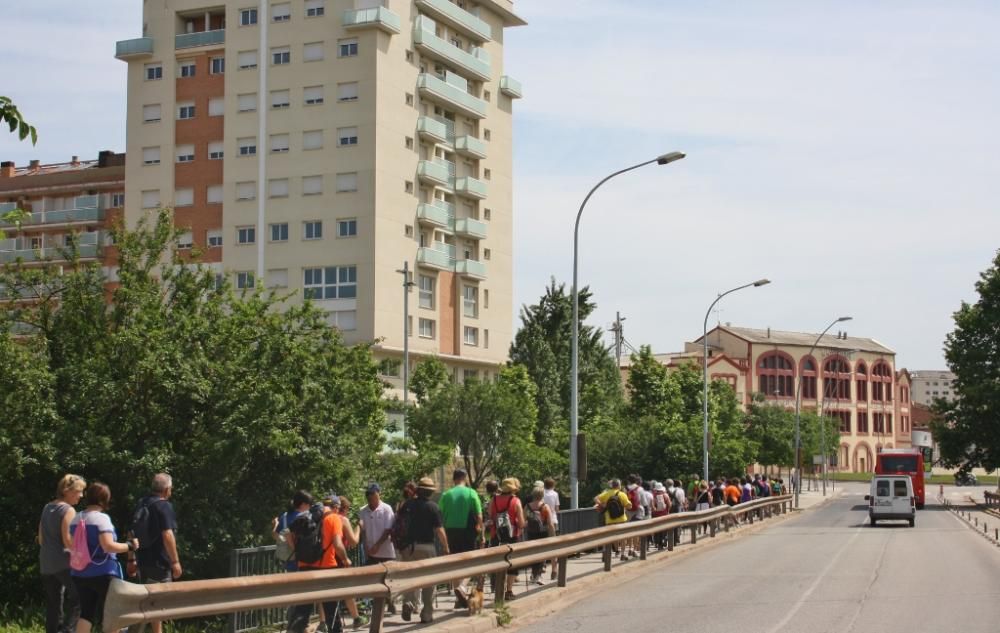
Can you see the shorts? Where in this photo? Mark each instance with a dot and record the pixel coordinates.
(460, 540)
(154, 574)
(92, 592)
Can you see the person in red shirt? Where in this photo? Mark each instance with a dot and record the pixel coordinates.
(334, 555)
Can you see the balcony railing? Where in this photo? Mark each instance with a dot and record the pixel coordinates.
(428, 42)
(376, 17)
(470, 187)
(458, 18)
(88, 246)
(471, 268)
(433, 128)
(511, 87)
(138, 47)
(203, 38)
(436, 172)
(471, 227)
(438, 213)
(451, 94)
(439, 256)
(470, 146)
(85, 209)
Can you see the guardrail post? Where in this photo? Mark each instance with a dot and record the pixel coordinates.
(694, 533)
(749, 516)
(712, 527)
(378, 613)
(643, 546)
(670, 540)
(499, 586)
(607, 557)
(563, 569)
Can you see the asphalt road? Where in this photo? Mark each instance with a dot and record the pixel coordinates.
(824, 571)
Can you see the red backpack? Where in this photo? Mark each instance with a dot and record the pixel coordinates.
(635, 500)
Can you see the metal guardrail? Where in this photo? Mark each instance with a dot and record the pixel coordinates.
(991, 500)
(131, 604)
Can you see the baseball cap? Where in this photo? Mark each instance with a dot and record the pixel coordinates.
(373, 487)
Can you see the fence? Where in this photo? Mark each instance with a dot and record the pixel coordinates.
(131, 604)
(992, 500)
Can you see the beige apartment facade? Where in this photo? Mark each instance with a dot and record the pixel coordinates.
(318, 146)
(932, 384)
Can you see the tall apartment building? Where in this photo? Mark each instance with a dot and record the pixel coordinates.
(75, 198)
(931, 384)
(318, 146)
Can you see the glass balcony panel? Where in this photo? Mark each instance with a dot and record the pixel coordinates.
(203, 38)
(434, 172)
(470, 187)
(471, 268)
(436, 257)
(458, 18)
(448, 93)
(437, 214)
(511, 87)
(138, 47)
(433, 129)
(428, 42)
(375, 17)
(470, 146)
(471, 227)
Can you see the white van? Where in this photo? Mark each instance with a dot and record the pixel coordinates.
(891, 498)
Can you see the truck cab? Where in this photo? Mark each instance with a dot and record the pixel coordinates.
(891, 498)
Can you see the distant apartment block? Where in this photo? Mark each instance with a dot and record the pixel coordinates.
(931, 384)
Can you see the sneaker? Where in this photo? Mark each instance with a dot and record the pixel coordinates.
(391, 609)
(539, 581)
(624, 557)
(509, 596)
(360, 621)
(321, 628)
(461, 600)
(634, 554)
(407, 611)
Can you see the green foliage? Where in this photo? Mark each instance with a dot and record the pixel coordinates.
(13, 217)
(243, 399)
(772, 428)
(968, 432)
(10, 115)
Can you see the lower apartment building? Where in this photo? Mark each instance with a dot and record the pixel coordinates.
(319, 146)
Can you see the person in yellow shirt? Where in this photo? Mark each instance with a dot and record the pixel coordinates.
(614, 503)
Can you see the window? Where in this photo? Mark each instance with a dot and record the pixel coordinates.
(247, 102)
(408, 186)
(154, 72)
(215, 150)
(486, 214)
(470, 301)
(863, 422)
(151, 113)
(213, 195)
(312, 139)
(185, 110)
(214, 238)
(487, 174)
(470, 375)
(246, 235)
(347, 48)
(185, 240)
(313, 95)
(878, 422)
(776, 374)
(808, 379)
(315, 8)
(836, 379)
(279, 143)
(471, 335)
(281, 12)
(117, 200)
(486, 299)
(312, 230)
(347, 228)
(425, 328)
(331, 282)
(390, 367)
(216, 106)
(312, 52)
(280, 98)
(408, 142)
(844, 417)
(217, 65)
(343, 319)
(186, 69)
(185, 153)
(277, 188)
(426, 285)
(408, 230)
(150, 155)
(281, 55)
(486, 95)
(184, 197)
(279, 232)
(486, 135)
(881, 380)
(347, 91)
(247, 145)
(347, 182)
(312, 185)
(347, 136)
(248, 17)
(899, 489)
(861, 383)
(486, 254)
(246, 60)
(151, 199)
(409, 99)
(486, 344)
(246, 190)
(244, 280)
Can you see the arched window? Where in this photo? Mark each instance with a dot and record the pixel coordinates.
(808, 378)
(836, 379)
(881, 382)
(862, 381)
(776, 375)
(845, 420)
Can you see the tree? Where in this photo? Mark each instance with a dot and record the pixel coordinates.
(10, 115)
(242, 398)
(772, 428)
(968, 432)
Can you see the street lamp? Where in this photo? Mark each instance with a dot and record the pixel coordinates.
(704, 339)
(798, 409)
(574, 475)
(407, 284)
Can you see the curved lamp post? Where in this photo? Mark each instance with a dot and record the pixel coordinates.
(704, 339)
(798, 409)
(574, 476)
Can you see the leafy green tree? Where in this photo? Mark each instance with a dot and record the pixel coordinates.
(968, 432)
(813, 433)
(772, 428)
(10, 115)
(242, 398)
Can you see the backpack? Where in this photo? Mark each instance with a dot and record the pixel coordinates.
(659, 501)
(635, 498)
(141, 528)
(504, 525)
(400, 533)
(79, 553)
(675, 503)
(533, 518)
(283, 551)
(308, 531)
(614, 506)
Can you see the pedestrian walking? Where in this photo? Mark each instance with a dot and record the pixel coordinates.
(423, 524)
(507, 515)
(281, 527)
(352, 539)
(614, 504)
(660, 508)
(704, 499)
(317, 536)
(678, 501)
(375, 523)
(462, 514)
(155, 525)
(62, 605)
(537, 525)
(551, 499)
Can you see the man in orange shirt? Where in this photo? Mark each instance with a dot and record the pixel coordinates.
(733, 492)
(317, 536)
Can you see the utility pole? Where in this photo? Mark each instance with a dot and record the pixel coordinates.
(407, 284)
(619, 333)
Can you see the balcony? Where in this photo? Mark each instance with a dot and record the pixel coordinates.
(470, 146)
(202, 38)
(471, 268)
(440, 256)
(437, 172)
(470, 187)
(134, 49)
(88, 247)
(457, 18)
(453, 92)
(476, 63)
(511, 87)
(432, 129)
(379, 18)
(470, 227)
(439, 213)
(85, 209)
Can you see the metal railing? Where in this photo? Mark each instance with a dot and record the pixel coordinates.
(991, 500)
(130, 604)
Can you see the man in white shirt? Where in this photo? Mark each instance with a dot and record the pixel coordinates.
(551, 498)
(376, 520)
(677, 498)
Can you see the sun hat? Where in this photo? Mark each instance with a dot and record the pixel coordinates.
(660, 487)
(509, 485)
(426, 483)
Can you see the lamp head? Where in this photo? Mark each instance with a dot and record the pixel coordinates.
(761, 282)
(669, 158)
(844, 318)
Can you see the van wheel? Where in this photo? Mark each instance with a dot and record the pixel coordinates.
(913, 522)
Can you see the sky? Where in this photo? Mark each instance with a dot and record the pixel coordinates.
(845, 150)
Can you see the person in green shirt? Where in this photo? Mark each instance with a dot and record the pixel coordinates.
(462, 513)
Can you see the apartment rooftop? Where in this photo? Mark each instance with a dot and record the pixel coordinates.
(841, 341)
(108, 166)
